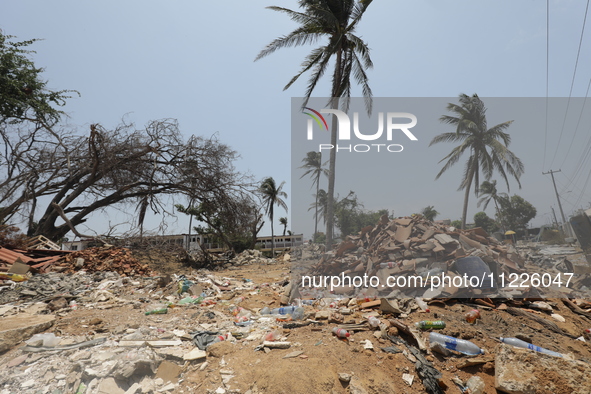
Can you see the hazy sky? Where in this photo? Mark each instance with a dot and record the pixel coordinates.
(193, 61)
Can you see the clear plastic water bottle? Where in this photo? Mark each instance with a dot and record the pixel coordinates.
(288, 310)
(519, 343)
(265, 311)
(216, 339)
(456, 344)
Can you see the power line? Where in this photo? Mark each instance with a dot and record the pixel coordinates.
(572, 84)
(578, 123)
(547, 76)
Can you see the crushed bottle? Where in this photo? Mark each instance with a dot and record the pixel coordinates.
(373, 321)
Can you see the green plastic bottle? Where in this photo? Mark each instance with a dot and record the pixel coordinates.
(160, 311)
(427, 324)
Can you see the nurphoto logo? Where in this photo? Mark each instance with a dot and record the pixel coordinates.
(344, 130)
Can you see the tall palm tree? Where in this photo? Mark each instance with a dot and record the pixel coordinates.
(283, 222)
(272, 195)
(488, 191)
(320, 205)
(487, 147)
(313, 167)
(335, 20)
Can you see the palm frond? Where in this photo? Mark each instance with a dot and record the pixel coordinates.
(357, 13)
(361, 48)
(447, 137)
(361, 78)
(311, 60)
(298, 17)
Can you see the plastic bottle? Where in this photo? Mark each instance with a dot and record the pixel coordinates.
(427, 324)
(519, 343)
(242, 315)
(373, 321)
(340, 332)
(472, 316)
(265, 311)
(190, 300)
(389, 264)
(298, 313)
(288, 310)
(218, 338)
(13, 277)
(459, 345)
(422, 304)
(234, 310)
(73, 305)
(587, 333)
(161, 311)
(272, 336)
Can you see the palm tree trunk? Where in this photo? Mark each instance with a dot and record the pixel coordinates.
(272, 234)
(316, 207)
(500, 217)
(336, 83)
(466, 196)
(331, 178)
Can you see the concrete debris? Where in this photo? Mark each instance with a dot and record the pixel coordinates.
(251, 256)
(110, 342)
(522, 371)
(414, 247)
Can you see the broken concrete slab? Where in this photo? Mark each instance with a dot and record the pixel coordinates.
(177, 342)
(109, 386)
(18, 328)
(523, 371)
(195, 355)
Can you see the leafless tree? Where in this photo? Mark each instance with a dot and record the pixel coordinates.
(81, 174)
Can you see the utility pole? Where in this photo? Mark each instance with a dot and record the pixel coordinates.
(555, 220)
(558, 198)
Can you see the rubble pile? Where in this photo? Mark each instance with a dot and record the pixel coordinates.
(418, 247)
(412, 242)
(251, 256)
(106, 258)
(46, 286)
(123, 332)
